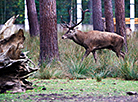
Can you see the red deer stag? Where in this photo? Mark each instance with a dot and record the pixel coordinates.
(93, 40)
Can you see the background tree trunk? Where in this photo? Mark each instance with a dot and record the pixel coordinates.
(97, 15)
(32, 17)
(120, 20)
(108, 15)
(48, 31)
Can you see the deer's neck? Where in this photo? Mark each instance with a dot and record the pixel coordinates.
(78, 37)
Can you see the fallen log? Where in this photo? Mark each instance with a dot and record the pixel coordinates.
(15, 66)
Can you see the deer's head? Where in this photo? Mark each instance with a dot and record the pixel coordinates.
(71, 26)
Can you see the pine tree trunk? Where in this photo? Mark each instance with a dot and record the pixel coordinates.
(32, 17)
(120, 20)
(97, 15)
(108, 16)
(48, 31)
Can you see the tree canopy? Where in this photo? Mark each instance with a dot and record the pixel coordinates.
(9, 8)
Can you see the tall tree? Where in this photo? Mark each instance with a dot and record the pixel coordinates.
(120, 19)
(108, 15)
(48, 31)
(32, 17)
(97, 15)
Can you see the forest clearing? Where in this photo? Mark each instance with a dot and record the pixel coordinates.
(49, 57)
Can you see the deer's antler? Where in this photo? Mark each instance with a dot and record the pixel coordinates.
(65, 25)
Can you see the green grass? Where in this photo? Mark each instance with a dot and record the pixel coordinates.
(96, 81)
(68, 88)
(108, 64)
(32, 44)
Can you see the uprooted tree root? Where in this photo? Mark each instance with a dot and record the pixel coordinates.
(15, 66)
(13, 75)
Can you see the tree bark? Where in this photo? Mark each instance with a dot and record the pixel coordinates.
(32, 17)
(48, 31)
(108, 15)
(97, 15)
(120, 20)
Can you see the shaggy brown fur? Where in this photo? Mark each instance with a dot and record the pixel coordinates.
(95, 40)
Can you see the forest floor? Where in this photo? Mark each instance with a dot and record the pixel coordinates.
(89, 90)
(74, 98)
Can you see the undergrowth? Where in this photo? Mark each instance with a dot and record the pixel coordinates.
(70, 65)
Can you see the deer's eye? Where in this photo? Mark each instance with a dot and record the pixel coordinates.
(70, 31)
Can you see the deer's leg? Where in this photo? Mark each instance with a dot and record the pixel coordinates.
(122, 54)
(118, 52)
(86, 54)
(95, 56)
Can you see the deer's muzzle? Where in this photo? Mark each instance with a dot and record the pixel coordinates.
(64, 37)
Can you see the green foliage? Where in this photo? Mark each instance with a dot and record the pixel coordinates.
(48, 71)
(88, 68)
(127, 8)
(71, 55)
(108, 65)
(129, 67)
(8, 8)
(98, 78)
(37, 9)
(136, 8)
(78, 70)
(62, 10)
(129, 70)
(32, 44)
